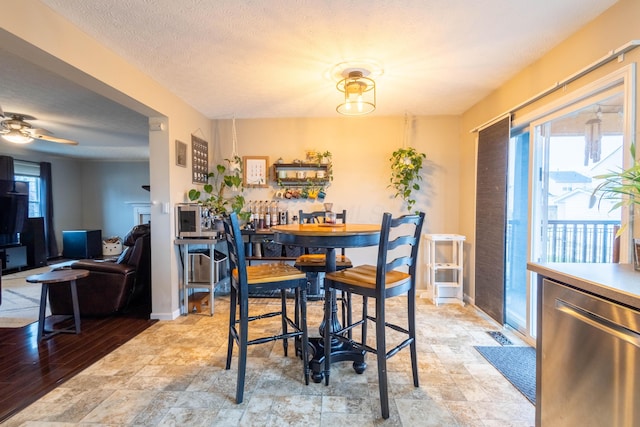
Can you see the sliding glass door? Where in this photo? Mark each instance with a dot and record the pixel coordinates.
(571, 148)
(516, 248)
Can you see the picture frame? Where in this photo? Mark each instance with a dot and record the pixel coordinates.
(255, 171)
(181, 154)
(199, 160)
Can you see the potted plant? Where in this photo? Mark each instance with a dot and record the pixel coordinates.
(406, 164)
(221, 179)
(624, 187)
(324, 157)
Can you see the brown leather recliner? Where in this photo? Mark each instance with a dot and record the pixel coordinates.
(112, 286)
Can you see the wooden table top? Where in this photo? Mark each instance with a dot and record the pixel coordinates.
(327, 229)
(57, 276)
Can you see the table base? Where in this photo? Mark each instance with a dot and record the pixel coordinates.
(340, 352)
(43, 333)
(54, 319)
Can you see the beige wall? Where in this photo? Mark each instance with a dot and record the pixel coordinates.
(614, 28)
(361, 149)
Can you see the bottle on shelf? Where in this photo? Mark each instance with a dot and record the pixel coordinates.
(267, 215)
(252, 216)
(260, 216)
(274, 213)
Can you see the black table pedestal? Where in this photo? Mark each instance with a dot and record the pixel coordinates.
(340, 351)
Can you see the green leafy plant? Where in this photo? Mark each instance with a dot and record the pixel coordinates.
(223, 178)
(622, 186)
(406, 164)
(324, 155)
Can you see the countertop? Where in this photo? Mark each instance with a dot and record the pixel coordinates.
(615, 282)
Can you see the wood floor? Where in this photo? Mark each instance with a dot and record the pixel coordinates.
(28, 370)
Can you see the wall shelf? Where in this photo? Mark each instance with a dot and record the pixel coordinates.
(301, 174)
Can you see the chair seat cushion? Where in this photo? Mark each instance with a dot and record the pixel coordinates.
(272, 272)
(365, 276)
(319, 259)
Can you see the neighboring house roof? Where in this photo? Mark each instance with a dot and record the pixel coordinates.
(571, 194)
(569, 177)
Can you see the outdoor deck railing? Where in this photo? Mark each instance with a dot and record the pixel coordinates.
(582, 241)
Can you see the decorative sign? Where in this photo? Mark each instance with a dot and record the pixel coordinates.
(200, 160)
(255, 171)
(181, 154)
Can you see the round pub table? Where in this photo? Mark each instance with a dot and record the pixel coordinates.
(57, 277)
(330, 237)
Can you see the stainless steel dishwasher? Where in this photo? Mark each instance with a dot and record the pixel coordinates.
(588, 360)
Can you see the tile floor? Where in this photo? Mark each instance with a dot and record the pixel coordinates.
(173, 374)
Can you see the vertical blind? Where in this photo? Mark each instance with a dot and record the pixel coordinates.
(491, 202)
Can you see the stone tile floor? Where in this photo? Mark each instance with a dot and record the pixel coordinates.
(173, 374)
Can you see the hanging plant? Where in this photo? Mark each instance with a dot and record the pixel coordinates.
(406, 164)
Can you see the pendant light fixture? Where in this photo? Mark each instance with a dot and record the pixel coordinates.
(359, 93)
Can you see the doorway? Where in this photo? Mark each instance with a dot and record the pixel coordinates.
(566, 150)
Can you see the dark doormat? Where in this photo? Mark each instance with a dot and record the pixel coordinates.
(517, 364)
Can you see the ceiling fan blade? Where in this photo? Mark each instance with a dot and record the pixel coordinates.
(45, 135)
(1, 112)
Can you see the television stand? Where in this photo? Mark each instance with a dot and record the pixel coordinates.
(13, 257)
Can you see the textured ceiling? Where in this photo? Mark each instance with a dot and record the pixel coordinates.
(272, 58)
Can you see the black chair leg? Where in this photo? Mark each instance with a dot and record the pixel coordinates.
(242, 353)
(412, 334)
(232, 322)
(328, 315)
(365, 313)
(302, 298)
(382, 358)
(283, 318)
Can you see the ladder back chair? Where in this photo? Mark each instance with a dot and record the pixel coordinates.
(262, 277)
(314, 263)
(394, 275)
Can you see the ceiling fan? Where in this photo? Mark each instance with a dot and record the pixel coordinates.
(14, 128)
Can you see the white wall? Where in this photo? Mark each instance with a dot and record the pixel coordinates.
(90, 194)
(66, 175)
(109, 190)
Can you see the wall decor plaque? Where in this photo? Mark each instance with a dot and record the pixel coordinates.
(200, 160)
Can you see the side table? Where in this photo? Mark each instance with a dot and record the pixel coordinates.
(56, 277)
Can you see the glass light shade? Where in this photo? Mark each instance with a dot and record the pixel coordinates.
(17, 137)
(359, 94)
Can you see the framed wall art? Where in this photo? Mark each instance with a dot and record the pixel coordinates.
(255, 171)
(181, 154)
(199, 160)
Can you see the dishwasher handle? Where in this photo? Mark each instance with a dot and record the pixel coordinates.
(602, 323)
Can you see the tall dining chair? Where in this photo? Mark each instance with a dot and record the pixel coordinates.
(261, 278)
(314, 263)
(394, 275)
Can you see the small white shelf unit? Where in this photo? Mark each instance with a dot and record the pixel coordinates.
(444, 258)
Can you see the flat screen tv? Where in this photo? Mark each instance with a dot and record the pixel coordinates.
(14, 210)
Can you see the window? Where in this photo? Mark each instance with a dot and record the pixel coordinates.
(29, 172)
